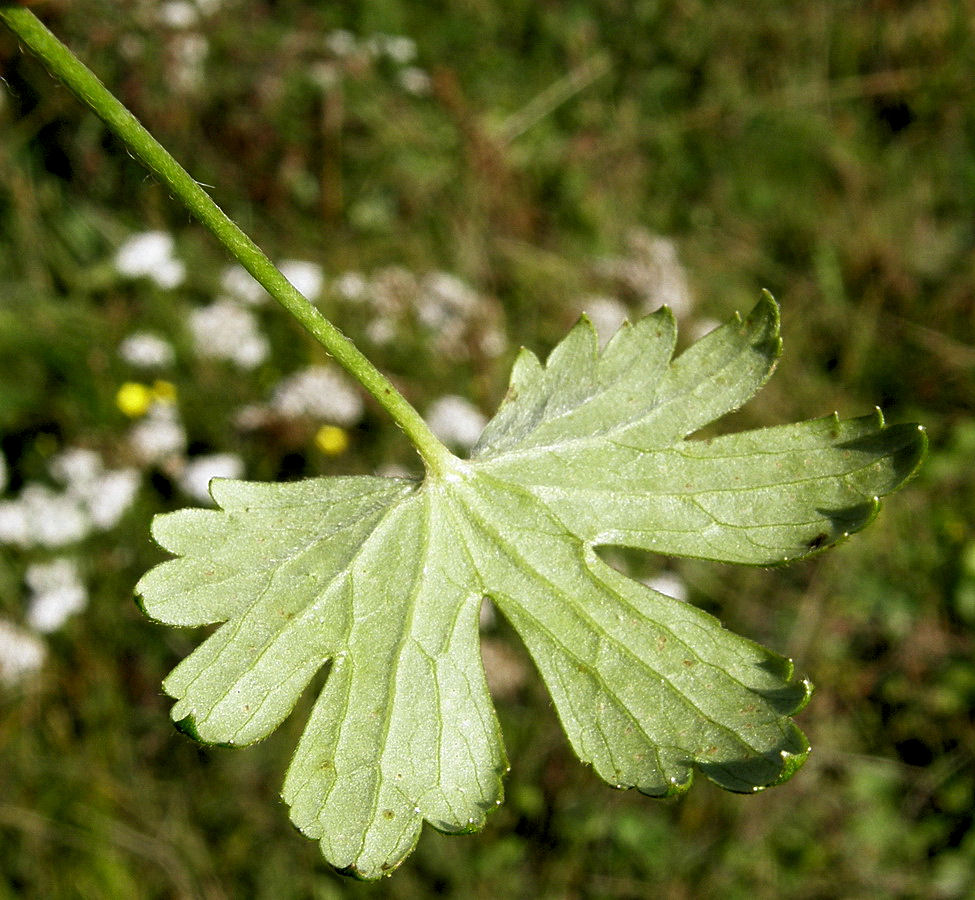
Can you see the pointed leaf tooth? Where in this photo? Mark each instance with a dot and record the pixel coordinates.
(526, 369)
(715, 375)
(640, 351)
(577, 350)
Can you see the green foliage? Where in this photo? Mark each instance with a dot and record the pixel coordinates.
(385, 577)
(821, 150)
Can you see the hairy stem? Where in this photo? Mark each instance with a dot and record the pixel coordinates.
(83, 83)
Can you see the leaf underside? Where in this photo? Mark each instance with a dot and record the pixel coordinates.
(383, 579)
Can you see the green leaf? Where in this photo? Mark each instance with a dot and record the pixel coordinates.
(382, 579)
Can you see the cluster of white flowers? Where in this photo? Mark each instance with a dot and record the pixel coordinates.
(150, 255)
(178, 14)
(57, 592)
(399, 49)
(456, 421)
(186, 48)
(145, 350)
(158, 436)
(21, 653)
(226, 330)
(445, 302)
(42, 517)
(652, 272)
(195, 478)
(306, 276)
(320, 392)
(94, 499)
(187, 62)
(350, 286)
(341, 42)
(389, 294)
(240, 285)
(104, 494)
(458, 317)
(455, 313)
(414, 80)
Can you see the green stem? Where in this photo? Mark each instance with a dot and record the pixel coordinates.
(83, 83)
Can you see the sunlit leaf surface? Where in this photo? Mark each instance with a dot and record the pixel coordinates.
(382, 580)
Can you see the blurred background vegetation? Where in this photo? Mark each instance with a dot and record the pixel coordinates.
(458, 179)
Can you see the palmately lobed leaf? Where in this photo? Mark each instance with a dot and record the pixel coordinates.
(382, 580)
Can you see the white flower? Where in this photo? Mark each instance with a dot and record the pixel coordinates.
(189, 53)
(159, 435)
(93, 499)
(113, 495)
(667, 281)
(669, 583)
(196, 476)
(606, 314)
(320, 392)
(325, 74)
(177, 14)
(21, 653)
(653, 272)
(306, 276)
(381, 331)
(14, 527)
(52, 519)
(399, 48)
(414, 81)
(456, 421)
(350, 286)
(340, 42)
(104, 494)
(150, 255)
(445, 300)
(493, 342)
(252, 417)
(77, 468)
(146, 351)
(57, 594)
(447, 306)
(392, 290)
(224, 330)
(242, 286)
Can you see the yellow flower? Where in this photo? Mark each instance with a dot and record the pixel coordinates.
(134, 399)
(332, 440)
